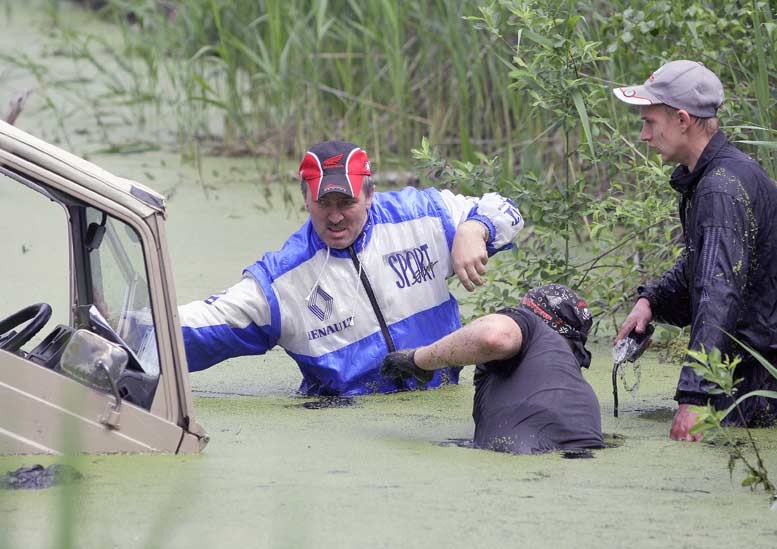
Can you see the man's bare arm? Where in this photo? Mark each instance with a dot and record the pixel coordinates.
(492, 337)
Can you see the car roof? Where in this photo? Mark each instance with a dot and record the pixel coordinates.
(137, 197)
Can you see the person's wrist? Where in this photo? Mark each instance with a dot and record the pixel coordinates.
(480, 226)
(422, 375)
(643, 304)
(691, 399)
(484, 228)
(415, 356)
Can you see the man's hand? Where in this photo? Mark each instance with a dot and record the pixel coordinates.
(683, 420)
(401, 365)
(640, 316)
(469, 254)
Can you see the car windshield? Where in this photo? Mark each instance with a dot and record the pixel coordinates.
(121, 301)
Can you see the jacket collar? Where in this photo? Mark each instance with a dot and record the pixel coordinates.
(684, 180)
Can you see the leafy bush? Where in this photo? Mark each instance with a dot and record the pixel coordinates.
(518, 91)
(710, 421)
(602, 219)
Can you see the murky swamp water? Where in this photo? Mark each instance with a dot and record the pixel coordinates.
(381, 471)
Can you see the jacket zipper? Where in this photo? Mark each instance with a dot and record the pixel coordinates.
(374, 302)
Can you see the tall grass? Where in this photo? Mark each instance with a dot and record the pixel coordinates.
(524, 81)
(272, 76)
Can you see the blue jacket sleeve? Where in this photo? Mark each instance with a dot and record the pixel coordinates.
(233, 323)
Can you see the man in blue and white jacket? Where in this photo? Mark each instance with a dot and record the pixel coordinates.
(364, 276)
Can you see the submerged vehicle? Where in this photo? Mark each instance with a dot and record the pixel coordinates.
(96, 363)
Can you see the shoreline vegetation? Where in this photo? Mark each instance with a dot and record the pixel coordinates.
(512, 96)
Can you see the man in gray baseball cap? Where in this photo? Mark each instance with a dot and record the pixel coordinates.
(686, 85)
(725, 281)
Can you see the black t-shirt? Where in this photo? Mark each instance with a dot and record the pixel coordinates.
(538, 400)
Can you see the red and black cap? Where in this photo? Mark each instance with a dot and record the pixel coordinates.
(334, 167)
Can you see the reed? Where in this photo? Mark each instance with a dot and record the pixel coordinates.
(517, 91)
(273, 76)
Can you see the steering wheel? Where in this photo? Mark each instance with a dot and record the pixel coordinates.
(37, 315)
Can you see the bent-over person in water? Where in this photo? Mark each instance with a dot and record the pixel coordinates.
(530, 394)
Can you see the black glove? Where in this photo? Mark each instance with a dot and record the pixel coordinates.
(401, 365)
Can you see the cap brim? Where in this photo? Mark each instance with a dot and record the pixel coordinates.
(351, 185)
(636, 95)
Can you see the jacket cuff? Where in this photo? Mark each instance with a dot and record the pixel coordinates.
(643, 292)
(695, 399)
(487, 223)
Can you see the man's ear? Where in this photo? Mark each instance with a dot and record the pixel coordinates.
(685, 119)
(368, 194)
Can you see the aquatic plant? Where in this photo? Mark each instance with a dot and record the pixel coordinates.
(720, 370)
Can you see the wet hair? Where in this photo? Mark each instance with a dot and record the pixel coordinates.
(708, 125)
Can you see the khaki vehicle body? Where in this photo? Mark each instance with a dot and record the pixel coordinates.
(112, 376)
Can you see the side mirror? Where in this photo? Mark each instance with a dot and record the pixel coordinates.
(93, 361)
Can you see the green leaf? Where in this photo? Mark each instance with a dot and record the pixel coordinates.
(765, 363)
(758, 392)
(577, 99)
(538, 38)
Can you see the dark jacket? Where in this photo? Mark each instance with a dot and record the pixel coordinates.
(726, 278)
